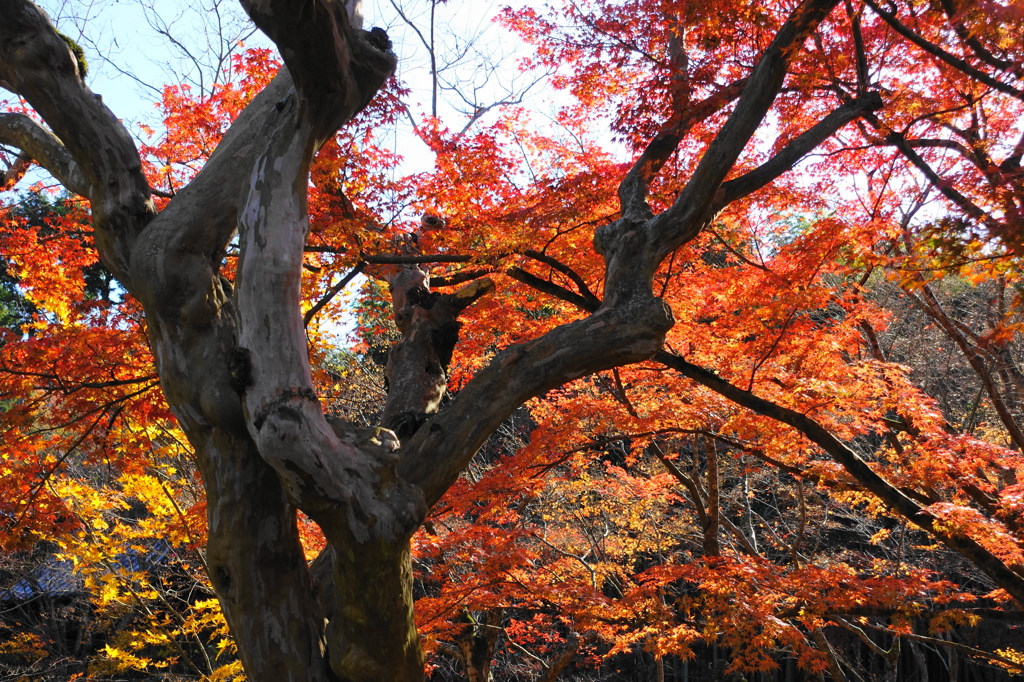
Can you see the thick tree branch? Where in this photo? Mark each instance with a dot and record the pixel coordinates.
(797, 149)
(178, 257)
(439, 451)
(695, 204)
(351, 489)
(417, 369)
(634, 246)
(860, 54)
(320, 473)
(18, 130)
(634, 187)
(37, 64)
(191, 324)
(337, 68)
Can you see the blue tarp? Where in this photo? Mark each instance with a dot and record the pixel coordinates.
(57, 578)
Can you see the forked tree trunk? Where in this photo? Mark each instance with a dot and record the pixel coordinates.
(233, 364)
(476, 646)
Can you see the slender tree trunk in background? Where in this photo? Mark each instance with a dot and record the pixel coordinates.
(712, 548)
(892, 660)
(931, 306)
(564, 657)
(920, 660)
(953, 658)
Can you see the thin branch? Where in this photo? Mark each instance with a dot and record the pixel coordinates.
(331, 293)
(963, 648)
(459, 277)
(933, 309)
(38, 488)
(413, 260)
(16, 171)
(394, 259)
(565, 270)
(939, 53)
(551, 288)
(961, 201)
(979, 50)
(622, 395)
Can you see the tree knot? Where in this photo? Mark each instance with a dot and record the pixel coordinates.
(379, 38)
(239, 362)
(419, 296)
(286, 395)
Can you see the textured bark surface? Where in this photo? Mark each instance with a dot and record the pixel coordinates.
(170, 262)
(232, 357)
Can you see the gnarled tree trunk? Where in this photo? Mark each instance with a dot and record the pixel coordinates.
(232, 356)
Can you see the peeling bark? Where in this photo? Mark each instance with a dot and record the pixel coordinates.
(170, 263)
(417, 369)
(232, 358)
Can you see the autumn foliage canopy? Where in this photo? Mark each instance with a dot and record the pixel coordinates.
(812, 448)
